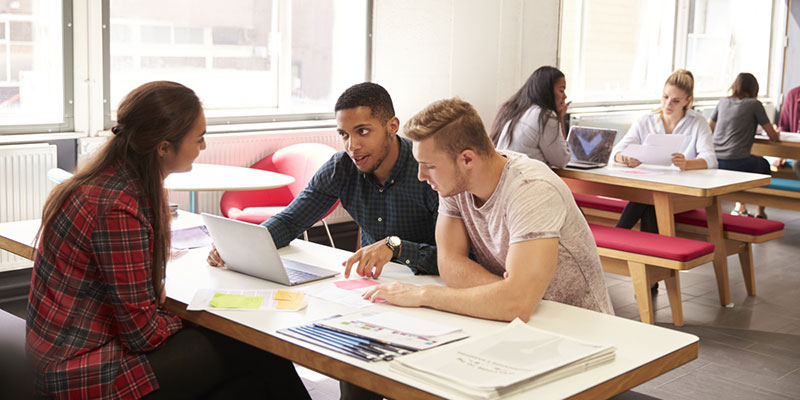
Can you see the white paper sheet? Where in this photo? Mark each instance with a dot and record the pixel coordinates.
(327, 291)
(656, 149)
(785, 136)
(408, 324)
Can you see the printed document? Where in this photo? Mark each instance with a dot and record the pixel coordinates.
(514, 358)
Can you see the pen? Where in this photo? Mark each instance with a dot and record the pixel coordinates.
(298, 335)
(362, 344)
(372, 343)
(344, 349)
(408, 349)
(354, 345)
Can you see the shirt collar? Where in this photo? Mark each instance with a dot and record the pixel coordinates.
(405, 160)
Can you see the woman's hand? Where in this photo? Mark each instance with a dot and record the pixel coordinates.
(561, 110)
(214, 259)
(679, 160)
(629, 161)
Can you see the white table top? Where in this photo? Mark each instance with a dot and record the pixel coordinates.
(636, 343)
(205, 177)
(699, 182)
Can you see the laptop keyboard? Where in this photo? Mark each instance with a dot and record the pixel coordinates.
(299, 276)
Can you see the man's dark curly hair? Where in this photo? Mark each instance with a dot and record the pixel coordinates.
(370, 95)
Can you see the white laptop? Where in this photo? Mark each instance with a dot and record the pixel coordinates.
(249, 249)
(590, 147)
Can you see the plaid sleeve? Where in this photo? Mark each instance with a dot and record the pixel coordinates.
(121, 244)
(308, 207)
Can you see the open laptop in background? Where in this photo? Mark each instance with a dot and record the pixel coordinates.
(590, 147)
(249, 249)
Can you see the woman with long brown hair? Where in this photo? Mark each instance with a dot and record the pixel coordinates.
(95, 327)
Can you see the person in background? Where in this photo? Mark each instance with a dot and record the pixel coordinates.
(734, 123)
(789, 121)
(95, 323)
(530, 239)
(674, 117)
(532, 120)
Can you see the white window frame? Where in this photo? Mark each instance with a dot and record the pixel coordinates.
(276, 120)
(682, 11)
(68, 125)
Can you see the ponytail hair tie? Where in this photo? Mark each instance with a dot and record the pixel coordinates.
(115, 129)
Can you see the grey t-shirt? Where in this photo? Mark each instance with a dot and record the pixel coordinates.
(546, 145)
(737, 120)
(531, 202)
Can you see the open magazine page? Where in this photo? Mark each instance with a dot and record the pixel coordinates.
(517, 353)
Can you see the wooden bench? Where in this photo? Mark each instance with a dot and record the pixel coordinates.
(740, 233)
(648, 258)
(781, 193)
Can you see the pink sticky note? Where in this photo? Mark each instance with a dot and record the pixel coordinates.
(352, 284)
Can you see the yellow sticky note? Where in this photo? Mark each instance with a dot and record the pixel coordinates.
(286, 295)
(222, 300)
(291, 305)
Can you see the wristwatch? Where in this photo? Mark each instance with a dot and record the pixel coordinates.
(393, 243)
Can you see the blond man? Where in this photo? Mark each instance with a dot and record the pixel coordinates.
(529, 237)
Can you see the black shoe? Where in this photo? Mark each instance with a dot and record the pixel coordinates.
(654, 289)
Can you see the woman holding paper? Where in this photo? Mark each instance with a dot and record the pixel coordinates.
(532, 120)
(95, 324)
(734, 123)
(674, 117)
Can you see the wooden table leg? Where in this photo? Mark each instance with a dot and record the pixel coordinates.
(664, 213)
(641, 288)
(714, 218)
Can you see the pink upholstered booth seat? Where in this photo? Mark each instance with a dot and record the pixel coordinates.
(651, 244)
(298, 160)
(600, 202)
(732, 223)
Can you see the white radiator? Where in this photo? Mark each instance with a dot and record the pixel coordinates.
(243, 150)
(24, 186)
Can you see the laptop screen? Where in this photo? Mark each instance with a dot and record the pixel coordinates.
(591, 144)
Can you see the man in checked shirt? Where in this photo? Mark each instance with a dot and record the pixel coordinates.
(376, 180)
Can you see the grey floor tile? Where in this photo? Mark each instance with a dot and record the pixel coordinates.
(776, 386)
(703, 385)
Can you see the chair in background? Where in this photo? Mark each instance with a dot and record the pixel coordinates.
(298, 160)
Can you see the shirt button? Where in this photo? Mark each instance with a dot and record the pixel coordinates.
(380, 190)
(392, 180)
(408, 261)
(380, 219)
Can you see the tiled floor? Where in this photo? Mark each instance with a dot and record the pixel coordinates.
(749, 351)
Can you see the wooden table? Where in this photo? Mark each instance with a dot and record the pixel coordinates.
(642, 351)
(671, 191)
(788, 147)
(212, 177)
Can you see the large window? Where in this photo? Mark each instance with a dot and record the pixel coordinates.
(248, 60)
(32, 64)
(623, 50)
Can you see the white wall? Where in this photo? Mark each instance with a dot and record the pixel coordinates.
(481, 51)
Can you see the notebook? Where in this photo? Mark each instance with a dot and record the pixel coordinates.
(249, 249)
(590, 147)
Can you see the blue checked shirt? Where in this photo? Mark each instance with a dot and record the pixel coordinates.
(403, 207)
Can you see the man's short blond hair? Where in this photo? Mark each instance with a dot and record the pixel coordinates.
(455, 126)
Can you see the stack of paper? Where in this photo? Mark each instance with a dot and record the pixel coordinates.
(513, 359)
(785, 136)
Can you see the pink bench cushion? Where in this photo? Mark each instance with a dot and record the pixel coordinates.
(651, 244)
(600, 202)
(732, 223)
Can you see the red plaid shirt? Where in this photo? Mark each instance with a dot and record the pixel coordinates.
(92, 311)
